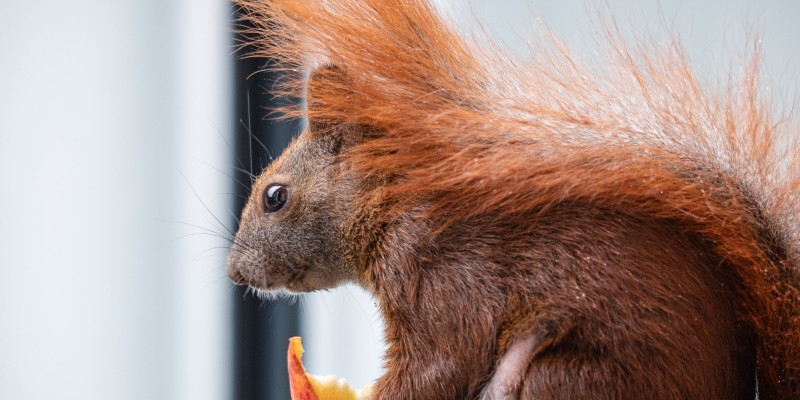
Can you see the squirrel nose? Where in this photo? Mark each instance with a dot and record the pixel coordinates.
(236, 277)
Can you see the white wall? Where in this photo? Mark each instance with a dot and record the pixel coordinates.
(343, 335)
(712, 31)
(104, 107)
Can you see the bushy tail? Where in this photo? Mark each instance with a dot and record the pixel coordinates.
(643, 134)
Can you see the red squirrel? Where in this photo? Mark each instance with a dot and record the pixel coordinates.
(531, 229)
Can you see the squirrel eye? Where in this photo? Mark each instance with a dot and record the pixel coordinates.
(275, 198)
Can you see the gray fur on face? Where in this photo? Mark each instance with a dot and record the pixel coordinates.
(299, 248)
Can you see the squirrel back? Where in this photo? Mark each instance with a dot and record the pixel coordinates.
(446, 135)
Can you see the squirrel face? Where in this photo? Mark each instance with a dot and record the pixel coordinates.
(292, 228)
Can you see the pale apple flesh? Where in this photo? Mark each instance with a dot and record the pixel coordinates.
(305, 386)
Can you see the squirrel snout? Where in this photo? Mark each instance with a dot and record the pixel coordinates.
(234, 267)
(236, 276)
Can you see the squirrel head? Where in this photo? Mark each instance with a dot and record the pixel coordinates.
(292, 231)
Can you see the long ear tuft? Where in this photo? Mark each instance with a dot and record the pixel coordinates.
(326, 90)
(393, 51)
(327, 98)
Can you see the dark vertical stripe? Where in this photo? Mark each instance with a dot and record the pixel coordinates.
(262, 328)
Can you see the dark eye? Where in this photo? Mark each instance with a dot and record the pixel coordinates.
(275, 197)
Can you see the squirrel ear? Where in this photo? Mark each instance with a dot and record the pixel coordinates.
(326, 89)
(327, 93)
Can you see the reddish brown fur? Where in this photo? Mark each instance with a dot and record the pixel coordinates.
(645, 229)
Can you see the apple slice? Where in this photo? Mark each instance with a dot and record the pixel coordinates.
(299, 384)
(312, 387)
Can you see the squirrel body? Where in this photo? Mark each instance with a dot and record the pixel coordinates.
(531, 229)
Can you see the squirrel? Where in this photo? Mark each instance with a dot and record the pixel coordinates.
(536, 228)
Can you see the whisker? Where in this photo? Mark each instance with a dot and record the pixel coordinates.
(235, 217)
(206, 254)
(202, 228)
(188, 235)
(252, 136)
(359, 306)
(247, 247)
(250, 131)
(250, 174)
(263, 146)
(228, 144)
(245, 186)
(206, 207)
(218, 280)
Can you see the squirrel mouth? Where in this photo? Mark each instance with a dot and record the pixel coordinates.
(288, 276)
(237, 278)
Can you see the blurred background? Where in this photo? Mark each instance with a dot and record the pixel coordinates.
(124, 127)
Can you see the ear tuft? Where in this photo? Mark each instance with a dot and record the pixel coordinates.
(327, 88)
(326, 92)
